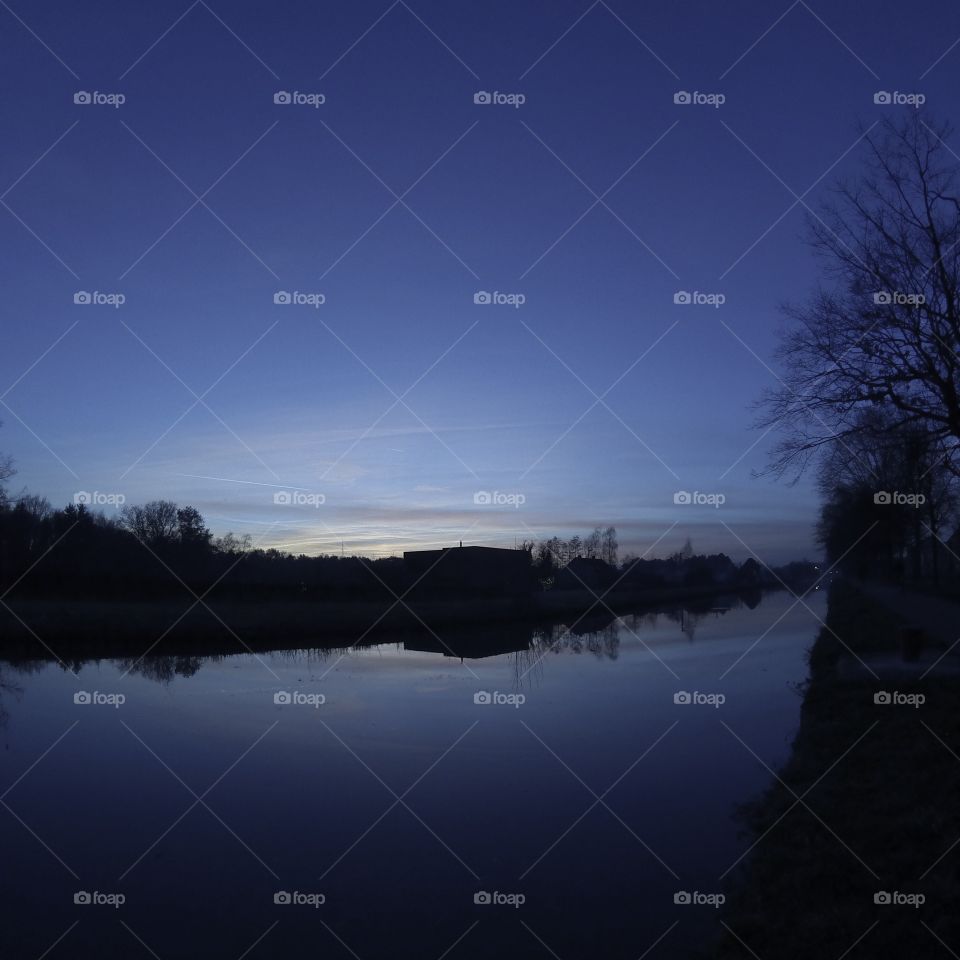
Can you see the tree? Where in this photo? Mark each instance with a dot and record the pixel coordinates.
(885, 330)
(592, 546)
(155, 523)
(6, 472)
(545, 560)
(609, 546)
(192, 530)
(888, 499)
(231, 543)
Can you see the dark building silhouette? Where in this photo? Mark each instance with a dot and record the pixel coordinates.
(585, 573)
(471, 570)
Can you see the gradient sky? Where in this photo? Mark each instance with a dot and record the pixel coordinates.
(398, 199)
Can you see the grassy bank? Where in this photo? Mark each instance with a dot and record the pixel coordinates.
(884, 810)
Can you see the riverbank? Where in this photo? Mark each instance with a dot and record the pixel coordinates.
(66, 629)
(876, 768)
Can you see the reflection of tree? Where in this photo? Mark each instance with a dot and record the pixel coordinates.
(528, 663)
(163, 669)
(601, 642)
(6, 686)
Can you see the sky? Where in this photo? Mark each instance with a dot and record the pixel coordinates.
(278, 300)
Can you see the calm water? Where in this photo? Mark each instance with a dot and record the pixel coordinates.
(398, 798)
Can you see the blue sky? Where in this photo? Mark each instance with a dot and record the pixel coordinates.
(398, 199)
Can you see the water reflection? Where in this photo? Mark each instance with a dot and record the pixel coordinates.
(598, 632)
(494, 797)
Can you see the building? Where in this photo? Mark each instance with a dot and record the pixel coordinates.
(466, 571)
(586, 573)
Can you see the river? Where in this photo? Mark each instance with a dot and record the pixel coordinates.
(557, 798)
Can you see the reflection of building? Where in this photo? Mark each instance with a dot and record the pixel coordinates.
(473, 643)
(471, 570)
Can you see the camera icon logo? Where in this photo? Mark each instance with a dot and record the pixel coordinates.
(482, 96)
(681, 896)
(82, 897)
(882, 897)
(82, 96)
(682, 96)
(482, 296)
(281, 697)
(882, 697)
(482, 897)
(681, 696)
(282, 96)
(82, 297)
(882, 97)
(682, 497)
(283, 498)
(882, 497)
(482, 498)
(882, 298)
(82, 497)
(81, 696)
(482, 697)
(282, 897)
(281, 296)
(681, 296)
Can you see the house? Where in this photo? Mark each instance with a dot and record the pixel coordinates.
(585, 573)
(468, 571)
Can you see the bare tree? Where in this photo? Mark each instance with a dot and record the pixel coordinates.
(592, 544)
(610, 546)
(884, 331)
(6, 472)
(153, 523)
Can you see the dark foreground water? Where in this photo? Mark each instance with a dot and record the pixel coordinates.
(381, 811)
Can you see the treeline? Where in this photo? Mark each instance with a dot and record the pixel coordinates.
(890, 507)
(159, 550)
(591, 562)
(162, 550)
(554, 553)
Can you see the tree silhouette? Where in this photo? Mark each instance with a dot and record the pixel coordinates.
(884, 330)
